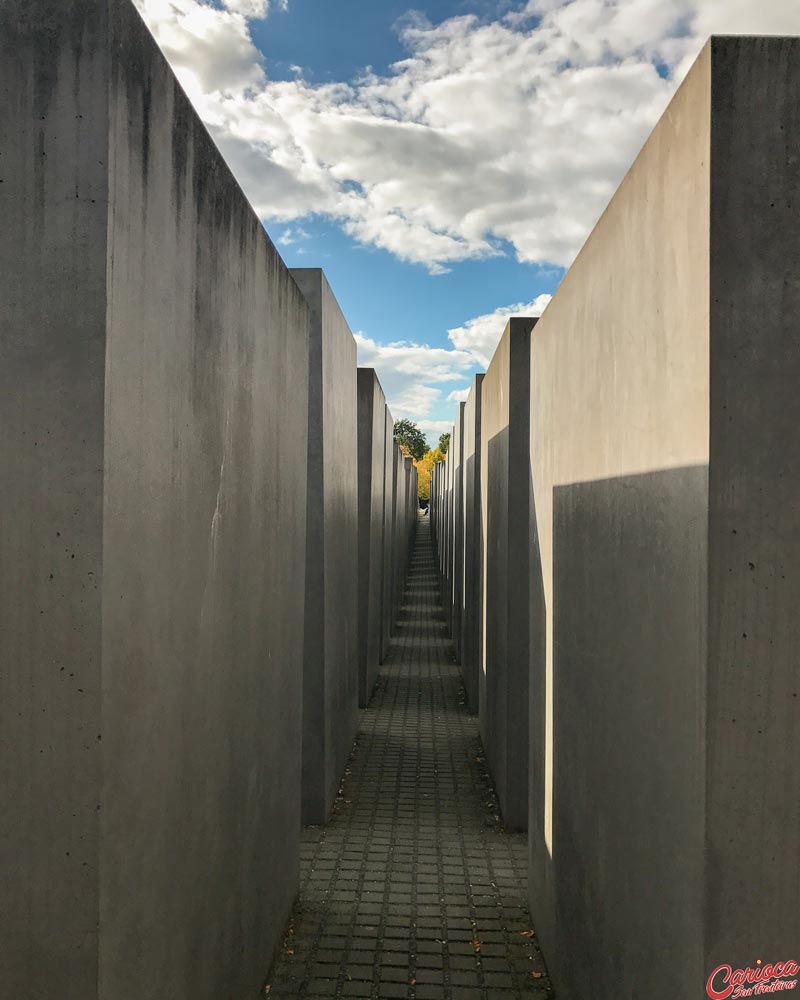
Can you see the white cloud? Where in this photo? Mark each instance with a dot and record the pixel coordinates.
(480, 336)
(512, 130)
(254, 8)
(293, 235)
(209, 48)
(433, 428)
(458, 395)
(436, 364)
(412, 373)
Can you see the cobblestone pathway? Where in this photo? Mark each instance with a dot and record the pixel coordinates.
(413, 889)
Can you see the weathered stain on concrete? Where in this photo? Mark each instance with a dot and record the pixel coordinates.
(154, 385)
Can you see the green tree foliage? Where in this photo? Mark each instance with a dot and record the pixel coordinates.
(406, 433)
(425, 471)
(444, 442)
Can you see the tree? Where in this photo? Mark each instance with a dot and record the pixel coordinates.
(407, 433)
(425, 470)
(444, 442)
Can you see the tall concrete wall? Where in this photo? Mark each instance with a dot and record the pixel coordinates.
(456, 454)
(399, 532)
(330, 672)
(371, 485)
(412, 512)
(445, 539)
(153, 392)
(505, 488)
(433, 503)
(399, 519)
(471, 612)
(387, 616)
(432, 511)
(405, 553)
(442, 533)
(395, 459)
(404, 503)
(665, 460)
(449, 565)
(438, 519)
(439, 530)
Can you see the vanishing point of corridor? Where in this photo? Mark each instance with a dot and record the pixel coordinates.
(413, 889)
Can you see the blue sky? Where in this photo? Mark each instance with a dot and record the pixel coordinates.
(392, 300)
(349, 35)
(442, 160)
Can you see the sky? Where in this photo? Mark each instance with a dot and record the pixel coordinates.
(442, 161)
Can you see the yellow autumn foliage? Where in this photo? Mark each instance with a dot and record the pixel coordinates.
(425, 469)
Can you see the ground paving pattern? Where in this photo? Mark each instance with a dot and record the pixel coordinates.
(413, 889)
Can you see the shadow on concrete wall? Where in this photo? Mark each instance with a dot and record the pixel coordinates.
(629, 594)
(470, 612)
(504, 697)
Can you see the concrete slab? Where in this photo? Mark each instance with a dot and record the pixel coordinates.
(330, 672)
(399, 532)
(411, 506)
(153, 393)
(445, 540)
(472, 613)
(505, 540)
(456, 453)
(371, 479)
(387, 616)
(665, 469)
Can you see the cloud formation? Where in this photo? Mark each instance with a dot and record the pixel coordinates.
(433, 428)
(489, 134)
(513, 131)
(209, 48)
(480, 336)
(412, 374)
(458, 395)
(415, 376)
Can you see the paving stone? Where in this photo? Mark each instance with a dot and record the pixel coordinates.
(396, 958)
(356, 989)
(428, 992)
(414, 889)
(391, 990)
